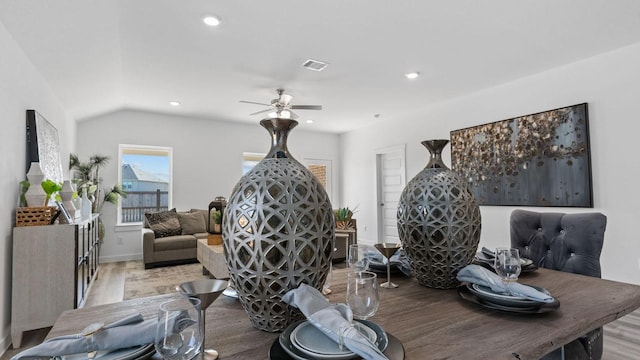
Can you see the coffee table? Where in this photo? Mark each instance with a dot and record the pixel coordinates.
(212, 259)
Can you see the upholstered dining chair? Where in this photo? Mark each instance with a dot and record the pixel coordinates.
(564, 242)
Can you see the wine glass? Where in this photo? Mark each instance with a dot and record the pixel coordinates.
(507, 265)
(178, 332)
(388, 249)
(358, 259)
(362, 294)
(326, 287)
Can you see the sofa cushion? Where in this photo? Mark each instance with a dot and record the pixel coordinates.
(192, 222)
(164, 223)
(205, 215)
(178, 242)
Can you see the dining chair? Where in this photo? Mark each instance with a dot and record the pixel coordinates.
(565, 242)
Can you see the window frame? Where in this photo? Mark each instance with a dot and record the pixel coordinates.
(142, 150)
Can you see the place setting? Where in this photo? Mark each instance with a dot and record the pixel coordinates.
(486, 257)
(501, 290)
(337, 331)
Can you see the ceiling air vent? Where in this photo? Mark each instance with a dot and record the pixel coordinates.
(315, 65)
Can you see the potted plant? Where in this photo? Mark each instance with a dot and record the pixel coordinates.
(343, 218)
(51, 188)
(87, 174)
(216, 217)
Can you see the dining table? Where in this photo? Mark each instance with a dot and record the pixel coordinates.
(429, 323)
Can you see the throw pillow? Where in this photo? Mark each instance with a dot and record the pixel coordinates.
(164, 223)
(192, 223)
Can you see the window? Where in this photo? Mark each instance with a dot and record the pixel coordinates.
(322, 170)
(146, 175)
(249, 160)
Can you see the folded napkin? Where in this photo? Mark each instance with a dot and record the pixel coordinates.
(333, 320)
(399, 259)
(131, 331)
(476, 274)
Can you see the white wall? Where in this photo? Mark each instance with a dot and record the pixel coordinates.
(609, 83)
(21, 88)
(207, 160)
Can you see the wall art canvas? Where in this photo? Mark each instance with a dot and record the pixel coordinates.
(540, 159)
(43, 146)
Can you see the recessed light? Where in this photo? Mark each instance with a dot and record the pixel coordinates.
(412, 75)
(211, 20)
(309, 121)
(174, 103)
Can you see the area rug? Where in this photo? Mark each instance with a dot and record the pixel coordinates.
(162, 280)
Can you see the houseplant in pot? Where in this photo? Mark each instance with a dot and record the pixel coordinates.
(87, 175)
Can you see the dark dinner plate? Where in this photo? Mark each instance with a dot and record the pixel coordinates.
(394, 351)
(381, 268)
(485, 293)
(537, 309)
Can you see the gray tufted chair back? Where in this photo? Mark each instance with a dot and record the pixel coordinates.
(565, 242)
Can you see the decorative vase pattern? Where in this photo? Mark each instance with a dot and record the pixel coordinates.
(35, 195)
(438, 222)
(277, 229)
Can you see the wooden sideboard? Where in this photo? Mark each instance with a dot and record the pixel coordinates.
(53, 266)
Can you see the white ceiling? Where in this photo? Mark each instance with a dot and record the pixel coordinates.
(104, 55)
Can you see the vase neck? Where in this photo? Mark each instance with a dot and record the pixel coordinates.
(435, 147)
(279, 129)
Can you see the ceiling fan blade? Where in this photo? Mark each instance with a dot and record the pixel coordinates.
(307, 107)
(293, 115)
(253, 102)
(261, 111)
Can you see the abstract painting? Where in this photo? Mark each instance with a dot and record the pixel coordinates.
(540, 159)
(43, 146)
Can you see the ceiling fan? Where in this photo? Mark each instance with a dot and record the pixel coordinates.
(281, 107)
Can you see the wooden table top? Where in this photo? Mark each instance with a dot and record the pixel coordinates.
(431, 323)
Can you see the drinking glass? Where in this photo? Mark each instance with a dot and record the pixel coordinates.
(178, 332)
(358, 259)
(507, 265)
(362, 294)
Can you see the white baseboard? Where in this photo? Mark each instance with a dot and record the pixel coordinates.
(6, 341)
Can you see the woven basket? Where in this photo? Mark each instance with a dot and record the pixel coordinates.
(33, 216)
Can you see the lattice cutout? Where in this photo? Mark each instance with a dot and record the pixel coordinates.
(439, 226)
(278, 230)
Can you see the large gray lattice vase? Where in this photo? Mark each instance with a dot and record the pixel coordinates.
(278, 230)
(438, 222)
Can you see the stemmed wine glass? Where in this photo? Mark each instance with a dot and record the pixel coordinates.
(507, 265)
(358, 259)
(178, 332)
(362, 294)
(388, 249)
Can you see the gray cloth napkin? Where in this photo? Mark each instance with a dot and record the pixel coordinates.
(131, 331)
(332, 320)
(476, 274)
(399, 259)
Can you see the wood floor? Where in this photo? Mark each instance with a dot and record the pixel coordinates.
(107, 288)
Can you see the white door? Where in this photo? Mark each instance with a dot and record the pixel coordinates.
(391, 179)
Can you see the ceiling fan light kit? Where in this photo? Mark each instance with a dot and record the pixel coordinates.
(281, 107)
